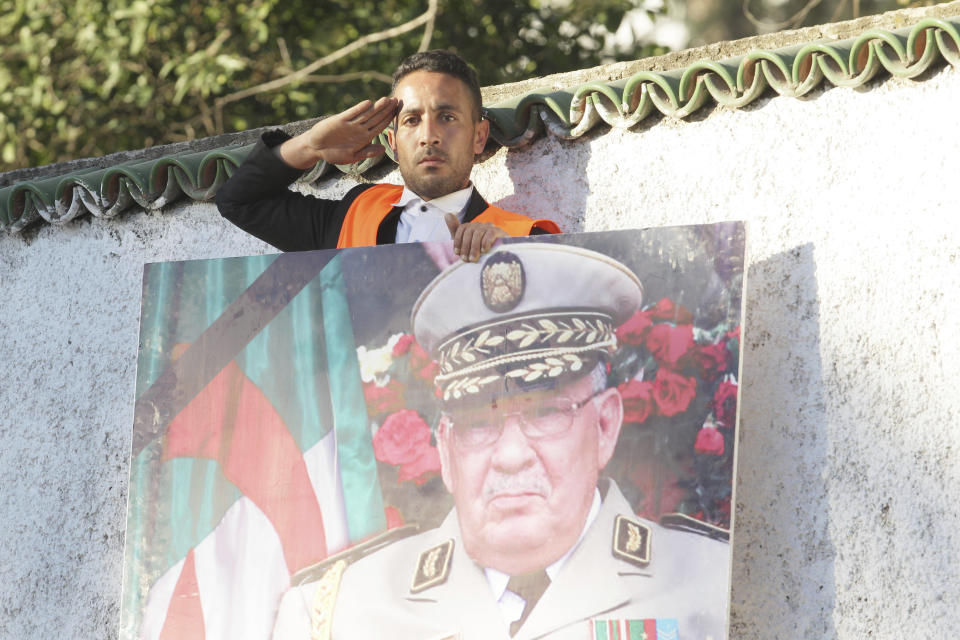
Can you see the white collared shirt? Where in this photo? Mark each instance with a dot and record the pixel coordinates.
(422, 220)
(511, 605)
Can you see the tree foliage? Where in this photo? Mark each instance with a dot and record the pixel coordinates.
(87, 77)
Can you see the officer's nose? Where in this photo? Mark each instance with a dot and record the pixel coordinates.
(512, 451)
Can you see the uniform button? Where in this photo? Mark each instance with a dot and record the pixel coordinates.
(423, 208)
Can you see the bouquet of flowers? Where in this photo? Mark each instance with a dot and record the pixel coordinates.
(403, 409)
(679, 387)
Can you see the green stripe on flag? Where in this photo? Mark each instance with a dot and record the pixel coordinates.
(156, 328)
(287, 362)
(358, 467)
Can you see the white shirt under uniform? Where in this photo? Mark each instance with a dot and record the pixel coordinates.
(511, 605)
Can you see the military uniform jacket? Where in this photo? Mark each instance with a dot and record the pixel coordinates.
(685, 584)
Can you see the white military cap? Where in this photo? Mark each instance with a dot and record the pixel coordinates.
(526, 316)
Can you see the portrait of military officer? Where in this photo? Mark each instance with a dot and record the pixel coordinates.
(539, 544)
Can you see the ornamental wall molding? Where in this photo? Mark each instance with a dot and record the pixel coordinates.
(566, 113)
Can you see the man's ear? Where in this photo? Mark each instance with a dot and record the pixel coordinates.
(480, 134)
(443, 448)
(391, 140)
(609, 420)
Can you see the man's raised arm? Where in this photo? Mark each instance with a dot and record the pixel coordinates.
(257, 199)
(343, 138)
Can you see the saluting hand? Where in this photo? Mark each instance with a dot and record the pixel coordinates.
(471, 239)
(343, 138)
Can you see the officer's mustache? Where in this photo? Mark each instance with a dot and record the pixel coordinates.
(532, 482)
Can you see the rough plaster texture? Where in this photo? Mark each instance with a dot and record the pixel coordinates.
(846, 520)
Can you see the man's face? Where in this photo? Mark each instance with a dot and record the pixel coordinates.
(521, 501)
(436, 136)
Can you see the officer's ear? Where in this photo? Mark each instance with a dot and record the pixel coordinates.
(443, 448)
(609, 420)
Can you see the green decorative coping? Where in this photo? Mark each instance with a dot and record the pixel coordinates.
(792, 71)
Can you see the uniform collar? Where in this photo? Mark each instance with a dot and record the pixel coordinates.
(498, 580)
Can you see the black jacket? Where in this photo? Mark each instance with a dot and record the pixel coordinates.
(257, 200)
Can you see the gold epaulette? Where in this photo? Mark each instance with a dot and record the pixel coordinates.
(321, 611)
(316, 571)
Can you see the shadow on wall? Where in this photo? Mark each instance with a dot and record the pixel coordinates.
(547, 188)
(783, 560)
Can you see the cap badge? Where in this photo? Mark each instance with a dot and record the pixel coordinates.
(433, 567)
(631, 541)
(502, 282)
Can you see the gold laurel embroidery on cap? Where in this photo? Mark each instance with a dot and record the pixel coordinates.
(470, 350)
(501, 283)
(631, 541)
(462, 385)
(588, 331)
(539, 347)
(583, 331)
(551, 366)
(433, 567)
(321, 613)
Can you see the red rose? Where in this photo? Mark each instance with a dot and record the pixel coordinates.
(665, 310)
(637, 400)
(402, 345)
(709, 442)
(394, 517)
(673, 392)
(667, 343)
(404, 440)
(401, 438)
(635, 329)
(421, 364)
(384, 399)
(725, 404)
(711, 360)
(421, 469)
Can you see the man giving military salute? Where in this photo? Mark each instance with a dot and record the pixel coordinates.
(437, 128)
(539, 544)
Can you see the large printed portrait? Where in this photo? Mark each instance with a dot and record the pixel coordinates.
(387, 442)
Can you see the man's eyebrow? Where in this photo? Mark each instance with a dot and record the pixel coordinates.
(446, 107)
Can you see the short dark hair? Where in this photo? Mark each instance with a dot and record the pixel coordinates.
(442, 61)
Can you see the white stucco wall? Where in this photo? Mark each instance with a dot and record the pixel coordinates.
(849, 470)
